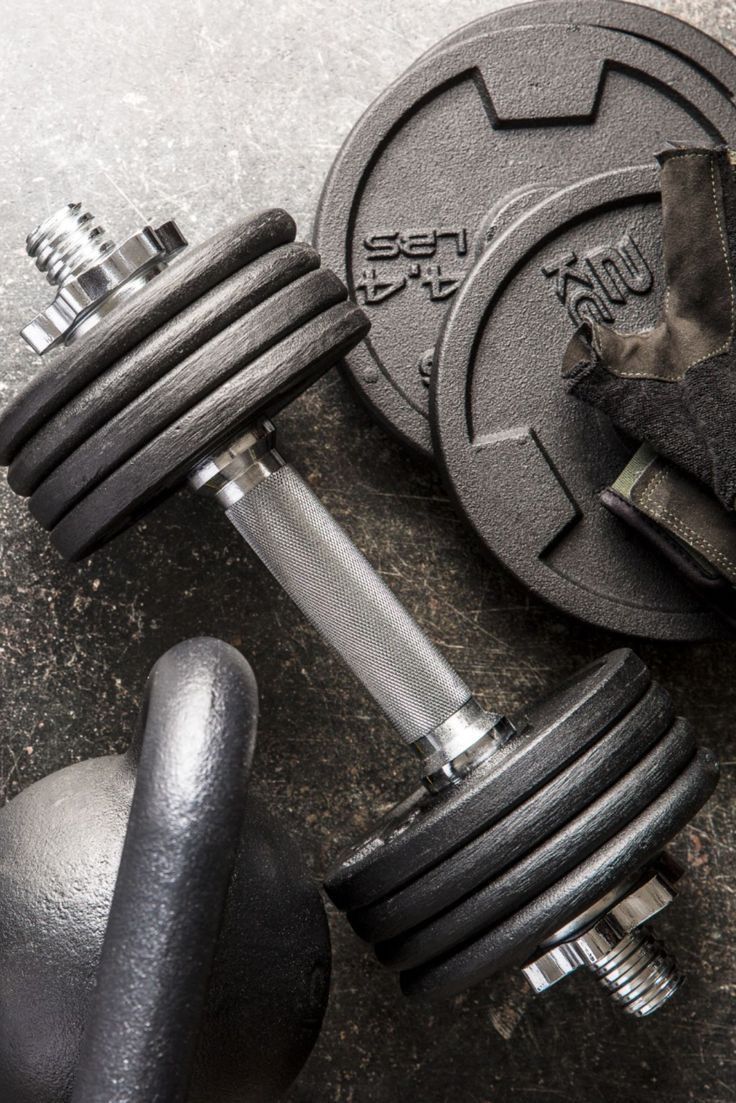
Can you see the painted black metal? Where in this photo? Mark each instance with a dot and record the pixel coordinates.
(524, 462)
(505, 212)
(460, 129)
(517, 833)
(210, 978)
(563, 851)
(515, 939)
(187, 382)
(425, 829)
(713, 60)
(260, 389)
(148, 362)
(120, 424)
(195, 273)
(455, 887)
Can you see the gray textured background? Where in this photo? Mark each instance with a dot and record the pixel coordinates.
(200, 111)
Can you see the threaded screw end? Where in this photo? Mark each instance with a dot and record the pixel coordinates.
(639, 974)
(68, 242)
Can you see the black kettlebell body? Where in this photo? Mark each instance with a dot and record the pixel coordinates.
(61, 842)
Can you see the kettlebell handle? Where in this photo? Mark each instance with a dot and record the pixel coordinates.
(194, 751)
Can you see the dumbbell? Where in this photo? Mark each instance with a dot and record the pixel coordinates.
(535, 841)
(159, 936)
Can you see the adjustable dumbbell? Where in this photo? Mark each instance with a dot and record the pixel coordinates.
(147, 904)
(536, 841)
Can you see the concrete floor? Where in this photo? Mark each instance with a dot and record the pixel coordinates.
(200, 111)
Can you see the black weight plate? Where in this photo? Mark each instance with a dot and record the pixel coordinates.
(505, 212)
(174, 341)
(169, 398)
(714, 60)
(499, 219)
(504, 895)
(510, 838)
(524, 460)
(197, 271)
(261, 388)
(420, 170)
(515, 940)
(426, 828)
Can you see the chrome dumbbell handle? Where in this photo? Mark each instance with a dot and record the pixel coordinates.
(336, 588)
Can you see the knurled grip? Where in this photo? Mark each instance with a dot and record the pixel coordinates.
(336, 588)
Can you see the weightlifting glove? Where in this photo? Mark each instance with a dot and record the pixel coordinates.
(673, 388)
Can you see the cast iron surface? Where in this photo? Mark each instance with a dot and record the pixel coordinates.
(254, 109)
(524, 460)
(173, 342)
(478, 902)
(479, 117)
(131, 490)
(155, 415)
(624, 817)
(422, 829)
(515, 834)
(663, 27)
(202, 269)
(214, 973)
(151, 412)
(514, 940)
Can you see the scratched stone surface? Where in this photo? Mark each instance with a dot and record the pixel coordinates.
(201, 111)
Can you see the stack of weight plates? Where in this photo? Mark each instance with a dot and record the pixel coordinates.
(500, 191)
(457, 886)
(230, 332)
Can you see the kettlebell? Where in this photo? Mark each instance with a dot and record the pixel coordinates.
(160, 938)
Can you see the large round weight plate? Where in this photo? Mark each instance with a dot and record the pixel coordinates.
(477, 119)
(524, 460)
(714, 60)
(178, 390)
(427, 828)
